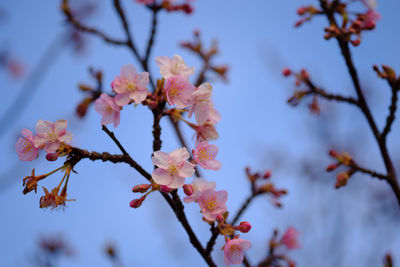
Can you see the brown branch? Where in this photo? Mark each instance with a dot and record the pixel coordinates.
(150, 42)
(112, 136)
(214, 235)
(392, 109)
(322, 93)
(344, 47)
(79, 26)
(129, 41)
(367, 171)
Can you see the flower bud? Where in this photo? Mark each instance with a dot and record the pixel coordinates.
(243, 227)
(286, 72)
(267, 174)
(136, 203)
(188, 189)
(52, 156)
(141, 188)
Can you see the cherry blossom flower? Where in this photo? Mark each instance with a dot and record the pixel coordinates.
(108, 109)
(130, 85)
(202, 106)
(172, 168)
(199, 185)
(26, 149)
(205, 155)
(178, 90)
(51, 135)
(234, 250)
(206, 132)
(173, 67)
(290, 238)
(212, 203)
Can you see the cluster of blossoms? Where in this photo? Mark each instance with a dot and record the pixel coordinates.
(173, 168)
(53, 138)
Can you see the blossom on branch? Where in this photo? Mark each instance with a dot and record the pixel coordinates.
(108, 109)
(212, 203)
(50, 136)
(25, 146)
(290, 238)
(199, 185)
(130, 85)
(234, 250)
(173, 168)
(173, 67)
(202, 106)
(178, 90)
(205, 154)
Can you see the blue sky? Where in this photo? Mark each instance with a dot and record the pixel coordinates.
(256, 39)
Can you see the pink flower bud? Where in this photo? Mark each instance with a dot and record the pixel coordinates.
(136, 203)
(220, 218)
(243, 227)
(301, 10)
(286, 72)
(165, 189)
(52, 156)
(141, 188)
(188, 189)
(267, 174)
(332, 167)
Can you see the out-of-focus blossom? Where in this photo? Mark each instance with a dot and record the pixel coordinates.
(51, 135)
(290, 238)
(212, 203)
(206, 132)
(234, 250)
(173, 168)
(173, 67)
(130, 85)
(202, 106)
(52, 199)
(25, 146)
(178, 90)
(199, 185)
(145, 2)
(205, 154)
(108, 109)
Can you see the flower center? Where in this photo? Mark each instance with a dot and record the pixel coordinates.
(131, 87)
(173, 169)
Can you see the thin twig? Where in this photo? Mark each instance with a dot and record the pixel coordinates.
(79, 26)
(392, 110)
(322, 93)
(243, 208)
(150, 43)
(211, 242)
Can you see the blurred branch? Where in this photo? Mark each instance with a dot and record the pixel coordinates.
(327, 7)
(322, 93)
(395, 86)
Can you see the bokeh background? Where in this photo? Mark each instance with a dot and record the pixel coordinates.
(353, 226)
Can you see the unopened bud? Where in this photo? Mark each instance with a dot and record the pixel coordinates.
(136, 203)
(52, 156)
(141, 188)
(220, 218)
(302, 10)
(267, 174)
(332, 167)
(243, 227)
(286, 72)
(188, 189)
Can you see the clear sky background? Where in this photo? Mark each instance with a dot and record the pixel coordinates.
(353, 226)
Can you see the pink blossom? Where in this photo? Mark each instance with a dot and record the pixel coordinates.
(51, 135)
(205, 156)
(178, 90)
(199, 185)
(108, 109)
(290, 238)
(130, 85)
(173, 67)
(206, 132)
(212, 203)
(172, 168)
(26, 149)
(202, 106)
(234, 250)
